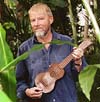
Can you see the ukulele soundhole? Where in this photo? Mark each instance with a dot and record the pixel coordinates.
(56, 71)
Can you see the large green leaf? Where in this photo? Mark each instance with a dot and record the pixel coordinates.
(34, 48)
(4, 97)
(9, 84)
(21, 57)
(8, 77)
(86, 78)
(5, 52)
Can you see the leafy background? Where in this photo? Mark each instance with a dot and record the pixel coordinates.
(15, 28)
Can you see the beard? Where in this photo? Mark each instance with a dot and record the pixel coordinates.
(40, 33)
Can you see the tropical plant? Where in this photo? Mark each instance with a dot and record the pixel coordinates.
(16, 24)
(87, 82)
(7, 78)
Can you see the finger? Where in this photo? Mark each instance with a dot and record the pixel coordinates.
(75, 57)
(36, 95)
(36, 91)
(78, 53)
(80, 50)
(38, 88)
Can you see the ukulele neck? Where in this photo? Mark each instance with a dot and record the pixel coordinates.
(65, 61)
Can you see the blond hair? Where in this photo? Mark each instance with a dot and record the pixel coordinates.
(41, 7)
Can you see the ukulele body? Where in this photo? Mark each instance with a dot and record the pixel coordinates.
(47, 80)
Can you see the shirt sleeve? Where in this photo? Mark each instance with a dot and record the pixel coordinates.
(21, 77)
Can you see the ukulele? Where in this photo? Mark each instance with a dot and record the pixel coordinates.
(46, 80)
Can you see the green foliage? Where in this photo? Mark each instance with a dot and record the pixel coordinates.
(62, 42)
(5, 52)
(11, 3)
(59, 3)
(86, 78)
(4, 97)
(8, 77)
(9, 25)
(21, 57)
(26, 54)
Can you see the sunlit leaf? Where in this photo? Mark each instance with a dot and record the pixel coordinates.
(4, 97)
(21, 57)
(86, 78)
(55, 41)
(9, 25)
(34, 48)
(8, 77)
(11, 3)
(5, 52)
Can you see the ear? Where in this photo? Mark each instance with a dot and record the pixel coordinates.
(51, 19)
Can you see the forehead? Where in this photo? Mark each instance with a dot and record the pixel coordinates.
(37, 13)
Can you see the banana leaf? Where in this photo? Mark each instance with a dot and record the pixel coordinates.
(86, 78)
(8, 77)
(34, 48)
(21, 57)
(4, 97)
(5, 52)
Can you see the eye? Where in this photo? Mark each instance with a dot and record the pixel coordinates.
(33, 20)
(41, 18)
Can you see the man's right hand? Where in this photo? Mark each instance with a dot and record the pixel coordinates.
(34, 92)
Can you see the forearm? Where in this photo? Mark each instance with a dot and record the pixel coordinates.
(80, 63)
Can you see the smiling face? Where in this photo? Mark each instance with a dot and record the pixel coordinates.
(41, 19)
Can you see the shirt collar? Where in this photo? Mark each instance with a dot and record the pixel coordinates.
(54, 36)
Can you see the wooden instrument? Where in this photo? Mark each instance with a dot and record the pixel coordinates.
(46, 80)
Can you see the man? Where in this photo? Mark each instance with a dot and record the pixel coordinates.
(41, 19)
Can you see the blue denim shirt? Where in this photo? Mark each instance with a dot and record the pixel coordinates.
(39, 61)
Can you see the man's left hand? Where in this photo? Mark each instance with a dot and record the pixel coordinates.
(77, 56)
(77, 53)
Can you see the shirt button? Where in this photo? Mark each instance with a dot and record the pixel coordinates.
(54, 100)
